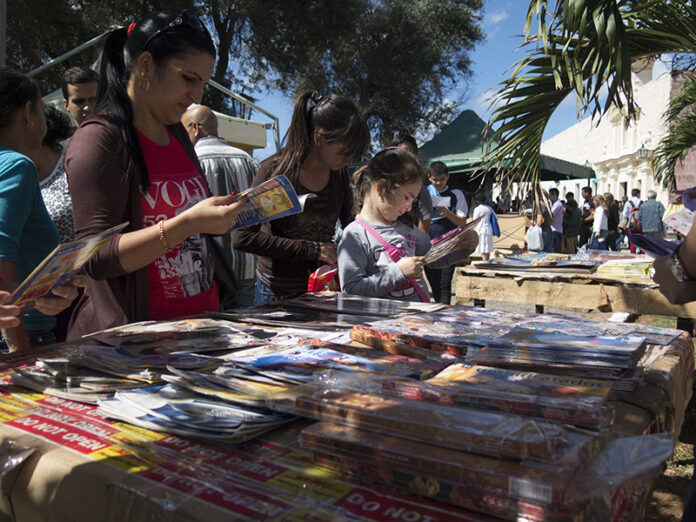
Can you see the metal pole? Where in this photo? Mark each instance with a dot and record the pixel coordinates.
(67, 55)
(3, 32)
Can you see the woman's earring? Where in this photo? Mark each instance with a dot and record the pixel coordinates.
(147, 84)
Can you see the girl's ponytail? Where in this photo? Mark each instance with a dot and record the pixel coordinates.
(298, 138)
(361, 184)
(113, 102)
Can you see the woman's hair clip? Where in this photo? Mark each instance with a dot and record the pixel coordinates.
(391, 147)
(314, 99)
(130, 29)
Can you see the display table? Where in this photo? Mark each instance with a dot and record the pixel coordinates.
(85, 468)
(570, 290)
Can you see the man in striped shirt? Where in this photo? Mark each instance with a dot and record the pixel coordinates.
(226, 169)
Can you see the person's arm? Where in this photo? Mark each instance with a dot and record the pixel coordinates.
(15, 337)
(590, 215)
(425, 210)
(423, 243)
(454, 218)
(676, 291)
(256, 240)
(101, 197)
(9, 314)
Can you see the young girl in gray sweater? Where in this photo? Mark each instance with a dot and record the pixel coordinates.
(380, 256)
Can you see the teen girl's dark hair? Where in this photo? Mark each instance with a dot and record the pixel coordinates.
(480, 197)
(335, 117)
(394, 165)
(16, 89)
(164, 36)
(57, 127)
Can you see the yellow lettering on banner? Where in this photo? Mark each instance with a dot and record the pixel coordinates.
(313, 487)
(6, 416)
(17, 401)
(302, 459)
(116, 457)
(132, 433)
(32, 396)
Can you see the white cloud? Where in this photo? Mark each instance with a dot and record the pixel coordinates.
(493, 19)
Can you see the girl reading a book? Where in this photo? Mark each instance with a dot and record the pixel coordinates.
(133, 162)
(27, 233)
(379, 255)
(326, 134)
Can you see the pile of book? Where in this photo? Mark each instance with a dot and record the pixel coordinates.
(638, 267)
(542, 263)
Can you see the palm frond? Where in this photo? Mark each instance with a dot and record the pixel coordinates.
(674, 147)
(583, 47)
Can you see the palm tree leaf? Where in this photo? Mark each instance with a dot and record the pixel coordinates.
(586, 46)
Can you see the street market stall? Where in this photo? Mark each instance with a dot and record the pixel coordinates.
(429, 414)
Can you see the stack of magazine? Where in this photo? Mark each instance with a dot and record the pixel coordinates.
(181, 412)
(539, 265)
(88, 373)
(546, 343)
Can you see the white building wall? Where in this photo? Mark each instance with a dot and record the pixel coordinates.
(612, 149)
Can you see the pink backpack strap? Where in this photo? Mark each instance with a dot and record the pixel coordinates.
(389, 250)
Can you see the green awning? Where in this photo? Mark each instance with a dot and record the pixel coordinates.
(460, 146)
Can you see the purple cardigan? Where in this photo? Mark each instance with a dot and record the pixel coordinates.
(101, 199)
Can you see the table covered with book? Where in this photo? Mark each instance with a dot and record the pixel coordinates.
(604, 281)
(331, 407)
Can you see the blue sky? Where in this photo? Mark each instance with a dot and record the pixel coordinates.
(503, 25)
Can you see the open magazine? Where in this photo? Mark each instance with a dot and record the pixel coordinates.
(453, 246)
(273, 199)
(65, 260)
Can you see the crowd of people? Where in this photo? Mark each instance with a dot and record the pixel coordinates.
(601, 222)
(147, 153)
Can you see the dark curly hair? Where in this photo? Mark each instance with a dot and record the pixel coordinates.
(57, 127)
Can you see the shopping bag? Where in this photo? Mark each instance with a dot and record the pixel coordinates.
(323, 279)
(494, 225)
(535, 238)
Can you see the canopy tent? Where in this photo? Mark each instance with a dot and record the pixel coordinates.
(461, 147)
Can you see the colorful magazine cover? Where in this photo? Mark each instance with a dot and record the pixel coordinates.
(57, 267)
(453, 247)
(680, 220)
(324, 356)
(273, 199)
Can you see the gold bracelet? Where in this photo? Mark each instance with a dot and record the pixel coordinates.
(163, 236)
